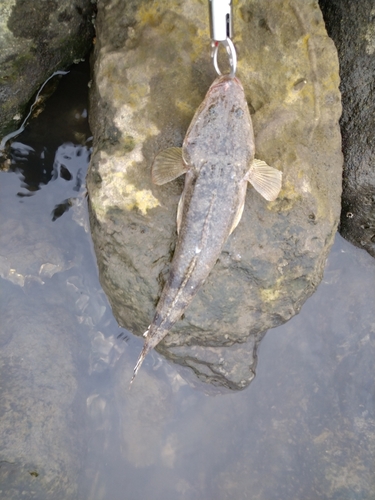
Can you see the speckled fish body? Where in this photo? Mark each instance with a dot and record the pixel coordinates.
(217, 157)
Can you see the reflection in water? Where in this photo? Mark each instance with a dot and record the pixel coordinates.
(305, 428)
(59, 135)
(69, 425)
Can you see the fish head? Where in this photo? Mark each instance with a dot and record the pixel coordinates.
(223, 84)
(221, 126)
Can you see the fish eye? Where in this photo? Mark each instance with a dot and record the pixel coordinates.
(212, 110)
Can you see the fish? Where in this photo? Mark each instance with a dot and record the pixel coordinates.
(217, 158)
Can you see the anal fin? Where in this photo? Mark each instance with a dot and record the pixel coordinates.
(240, 207)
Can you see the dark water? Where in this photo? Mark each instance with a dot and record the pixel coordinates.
(69, 426)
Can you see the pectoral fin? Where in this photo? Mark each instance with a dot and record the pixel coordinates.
(168, 165)
(265, 179)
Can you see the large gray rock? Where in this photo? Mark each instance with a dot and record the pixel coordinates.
(36, 39)
(352, 27)
(152, 69)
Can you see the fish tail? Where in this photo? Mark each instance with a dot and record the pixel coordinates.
(153, 337)
(141, 358)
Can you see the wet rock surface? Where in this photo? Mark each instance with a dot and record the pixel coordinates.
(352, 28)
(151, 71)
(36, 39)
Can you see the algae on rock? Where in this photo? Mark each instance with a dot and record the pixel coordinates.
(152, 69)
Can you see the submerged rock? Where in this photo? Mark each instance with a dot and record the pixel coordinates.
(352, 27)
(40, 446)
(36, 39)
(152, 69)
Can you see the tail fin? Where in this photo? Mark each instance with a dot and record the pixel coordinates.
(141, 358)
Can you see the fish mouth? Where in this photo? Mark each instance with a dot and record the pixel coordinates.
(225, 80)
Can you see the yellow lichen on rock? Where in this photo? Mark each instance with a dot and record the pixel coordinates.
(126, 196)
(272, 293)
(142, 199)
(149, 14)
(370, 36)
(287, 198)
(118, 190)
(185, 107)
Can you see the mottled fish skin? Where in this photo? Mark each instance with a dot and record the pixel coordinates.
(217, 154)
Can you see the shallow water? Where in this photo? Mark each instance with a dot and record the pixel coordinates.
(69, 425)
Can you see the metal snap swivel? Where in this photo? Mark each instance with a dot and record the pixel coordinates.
(231, 51)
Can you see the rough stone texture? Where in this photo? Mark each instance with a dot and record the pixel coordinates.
(352, 27)
(36, 39)
(152, 69)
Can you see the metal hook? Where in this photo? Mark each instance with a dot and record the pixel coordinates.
(231, 51)
(221, 33)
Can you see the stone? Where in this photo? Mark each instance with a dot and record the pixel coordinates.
(152, 69)
(352, 27)
(36, 39)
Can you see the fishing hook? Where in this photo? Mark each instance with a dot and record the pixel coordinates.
(231, 51)
(221, 28)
